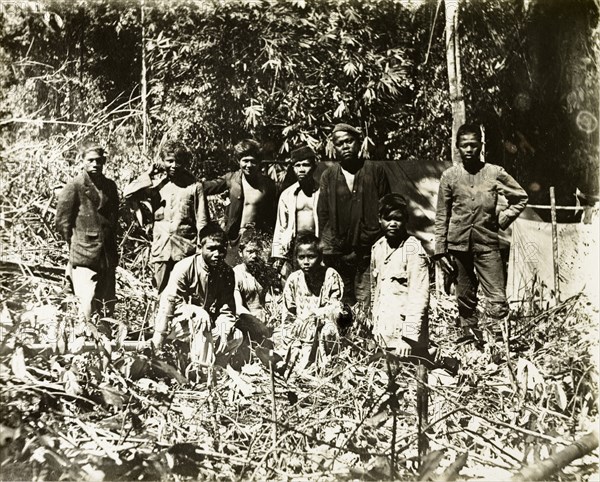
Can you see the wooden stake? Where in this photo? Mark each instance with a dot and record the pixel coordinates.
(273, 406)
(422, 409)
(554, 244)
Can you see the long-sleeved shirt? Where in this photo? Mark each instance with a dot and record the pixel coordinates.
(400, 291)
(467, 217)
(285, 224)
(180, 211)
(349, 220)
(193, 281)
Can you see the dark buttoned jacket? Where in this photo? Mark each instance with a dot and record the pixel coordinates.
(232, 182)
(349, 221)
(87, 217)
(468, 215)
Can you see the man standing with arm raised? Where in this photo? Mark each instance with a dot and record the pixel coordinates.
(178, 206)
(252, 200)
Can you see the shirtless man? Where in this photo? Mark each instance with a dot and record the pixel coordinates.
(251, 196)
(297, 209)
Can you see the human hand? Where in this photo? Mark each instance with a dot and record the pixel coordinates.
(444, 263)
(156, 167)
(349, 258)
(403, 349)
(198, 318)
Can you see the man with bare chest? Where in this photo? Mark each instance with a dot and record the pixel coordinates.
(297, 209)
(251, 195)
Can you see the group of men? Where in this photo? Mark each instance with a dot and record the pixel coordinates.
(349, 210)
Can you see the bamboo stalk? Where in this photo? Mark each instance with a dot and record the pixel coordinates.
(544, 469)
(554, 244)
(144, 83)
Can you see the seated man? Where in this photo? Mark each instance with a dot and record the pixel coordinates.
(251, 277)
(203, 286)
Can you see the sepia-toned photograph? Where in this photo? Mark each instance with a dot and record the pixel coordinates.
(299, 240)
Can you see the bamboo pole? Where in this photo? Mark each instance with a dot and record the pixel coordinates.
(454, 75)
(544, 469)
(554, 244)
(144, 84)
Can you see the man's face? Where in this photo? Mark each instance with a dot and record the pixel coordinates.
(469, 147)
(213, 252)
(93, 163)
(172, 165)
(304, 168)
(346, 146)
(393, 224)
(249, 166)
(251, 253)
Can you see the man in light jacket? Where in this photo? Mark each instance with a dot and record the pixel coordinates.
(179, 210)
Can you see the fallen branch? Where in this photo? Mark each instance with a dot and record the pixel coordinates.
(544, 469)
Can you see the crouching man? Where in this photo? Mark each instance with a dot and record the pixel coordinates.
(198, 301)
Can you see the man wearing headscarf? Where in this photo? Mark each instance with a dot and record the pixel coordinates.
(347, 211)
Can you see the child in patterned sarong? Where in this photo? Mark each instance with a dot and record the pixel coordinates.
(312, 301)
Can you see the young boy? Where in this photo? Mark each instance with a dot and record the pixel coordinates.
(400, 281)
(312, 296)
(466, 225)
(297, 209)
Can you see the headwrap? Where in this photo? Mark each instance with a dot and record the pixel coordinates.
(346, 128)
(302, 153)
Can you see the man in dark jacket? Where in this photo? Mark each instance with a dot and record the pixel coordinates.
(468, 218)
(348, 212)
(178, 206)
(87, 218)
(252, 196)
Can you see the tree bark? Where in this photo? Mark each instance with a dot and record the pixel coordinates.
(454, 73)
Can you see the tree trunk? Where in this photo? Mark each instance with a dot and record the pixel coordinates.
(454, 73)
